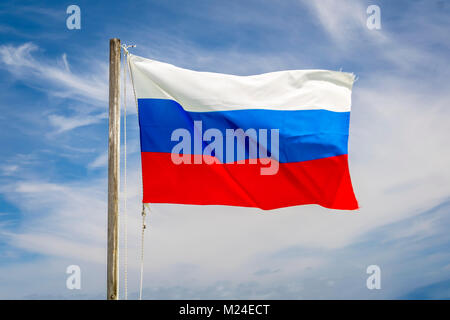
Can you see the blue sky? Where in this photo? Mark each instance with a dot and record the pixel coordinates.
(53, 119)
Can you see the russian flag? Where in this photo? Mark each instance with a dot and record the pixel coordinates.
(268, 141)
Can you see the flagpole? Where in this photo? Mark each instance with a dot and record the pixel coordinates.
(113, 171)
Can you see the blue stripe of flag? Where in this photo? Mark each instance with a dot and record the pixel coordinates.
(304, 134)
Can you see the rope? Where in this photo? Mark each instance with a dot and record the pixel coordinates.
(132, 84)
(125, 214)
(125, 211)
(142, 251)
(144, 226)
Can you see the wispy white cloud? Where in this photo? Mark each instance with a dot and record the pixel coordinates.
(71, 228)
(345, 24)
(62, 123)
(343, 21)
(51, 77)
(10, 169)
(99, 161)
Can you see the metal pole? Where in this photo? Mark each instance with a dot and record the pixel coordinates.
(113, 171)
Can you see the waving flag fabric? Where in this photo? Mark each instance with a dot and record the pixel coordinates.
(268, 141)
